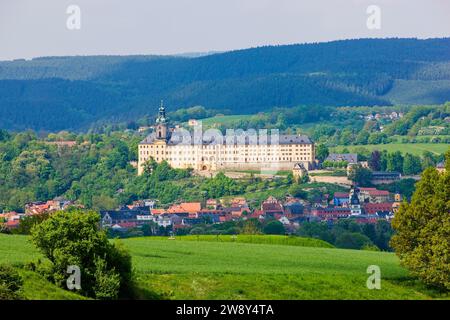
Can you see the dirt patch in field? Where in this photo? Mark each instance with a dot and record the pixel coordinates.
(332, 179)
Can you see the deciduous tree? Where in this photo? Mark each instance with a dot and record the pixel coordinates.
(422, 241)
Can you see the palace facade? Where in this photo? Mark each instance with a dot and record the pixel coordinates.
(210, 151)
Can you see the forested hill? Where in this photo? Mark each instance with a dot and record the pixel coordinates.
(58, 93)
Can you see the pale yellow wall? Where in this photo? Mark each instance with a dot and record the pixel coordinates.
(222, 156)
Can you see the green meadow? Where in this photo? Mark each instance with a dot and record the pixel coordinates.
(254, 239)
(226, 120)
(246, 267)
(412, 148)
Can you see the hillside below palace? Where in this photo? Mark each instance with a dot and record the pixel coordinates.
(211, 151)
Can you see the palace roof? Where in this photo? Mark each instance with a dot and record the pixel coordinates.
(183, 138)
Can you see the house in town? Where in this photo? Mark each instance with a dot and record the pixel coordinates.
(299, 171)
(294, 208)
(140, 204)
(284, 220)
(11, 220)
(338, 157)
(212, 204)
(341, 199)
(382, 177)
(374, 195)
(163, 221)
(330, 213)
(191, 208)
(440, 166)
(385, 208)
(272, 206)
(41, 207)
(122, 218)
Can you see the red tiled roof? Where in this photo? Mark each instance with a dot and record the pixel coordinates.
(373, 208)
(190, 207)
(180, 226)
(271, 207)
(375, 192)
(340, 195)
(8, 215)
(12, 223)
(127, 224)
(204, 211)
(256, 215)
(325, 212)
(366, 220)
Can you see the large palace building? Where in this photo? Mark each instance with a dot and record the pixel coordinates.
(211, 151)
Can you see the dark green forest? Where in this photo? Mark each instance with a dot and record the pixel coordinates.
(76, 93)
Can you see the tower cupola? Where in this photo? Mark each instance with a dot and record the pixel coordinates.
(161, 123)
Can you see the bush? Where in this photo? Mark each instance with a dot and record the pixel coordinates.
(274, 227)
(370, 247)
(297, 191)
(45, 269)
(72, 238)
(107, 281)
(28, 222)
(10, 283)
(6, 294)
(352, 240)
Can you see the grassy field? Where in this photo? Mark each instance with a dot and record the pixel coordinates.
(256, 239)
(225, 120)
(209, 269)
(17, 250)
(413, 148)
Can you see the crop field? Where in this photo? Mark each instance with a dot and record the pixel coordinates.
(227, 270)
(255, 239)
(185, 268)
(412, 148)
(226, 120)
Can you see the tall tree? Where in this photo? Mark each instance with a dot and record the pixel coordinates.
(411, 164)
(360, 175)
(394, 162)
(322, 152)
(422, 241)
(375, 160)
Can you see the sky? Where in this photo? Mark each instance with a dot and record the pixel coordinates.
(34, 28)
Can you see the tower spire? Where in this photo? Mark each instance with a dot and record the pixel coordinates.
(161, 114)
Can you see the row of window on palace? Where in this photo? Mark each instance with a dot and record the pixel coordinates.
(143, 153)
(217, 146)
(236, 159)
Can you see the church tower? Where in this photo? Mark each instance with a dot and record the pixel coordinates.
(161, 123)
(355, 206)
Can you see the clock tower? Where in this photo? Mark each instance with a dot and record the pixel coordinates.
(161, 123)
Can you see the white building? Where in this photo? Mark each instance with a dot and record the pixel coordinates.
(212, 151)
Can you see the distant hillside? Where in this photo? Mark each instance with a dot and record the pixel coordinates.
(58, 93)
